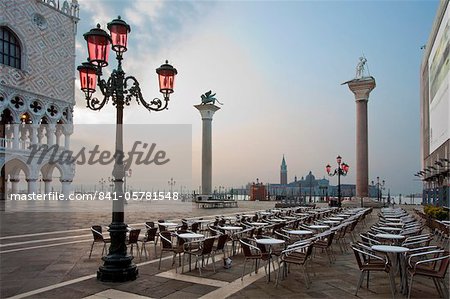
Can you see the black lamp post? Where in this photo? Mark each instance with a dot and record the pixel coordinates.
(380, 187)
(341, 170)
(121, 90)
(171, 184)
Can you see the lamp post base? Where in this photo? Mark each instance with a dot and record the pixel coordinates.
(117, 269)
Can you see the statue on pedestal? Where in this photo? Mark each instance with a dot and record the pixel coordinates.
(360, 68)
(209, 98)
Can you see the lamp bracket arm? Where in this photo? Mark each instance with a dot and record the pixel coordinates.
(96, 104)
(134, 91)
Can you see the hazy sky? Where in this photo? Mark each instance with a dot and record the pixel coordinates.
(277, 67)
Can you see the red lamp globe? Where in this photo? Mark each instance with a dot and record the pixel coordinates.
(98, 46)
(328, 168)
(88, 80)
(166, 75)
(339, 159)
(119, 30)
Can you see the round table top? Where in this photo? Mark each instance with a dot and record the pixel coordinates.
(300, 232)
(331, 221)
(390, 228)
(390, 236)
(445, 222)
(276, 210)
(229, 218)
(394, 224)
(265, 213)
(277, 220)
(393, 219)
(191, 236)
(336, 218)
(257, 223)
(231, 227)
(168, 223)
(249, 215)
(318, 226)
(202, 221)
(302, 214)
(269, 241)
(389, 248)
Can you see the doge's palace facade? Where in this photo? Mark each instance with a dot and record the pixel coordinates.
(37, 67)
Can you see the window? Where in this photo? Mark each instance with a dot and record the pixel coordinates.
(9, 48)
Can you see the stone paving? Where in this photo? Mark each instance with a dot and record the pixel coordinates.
(68, 273)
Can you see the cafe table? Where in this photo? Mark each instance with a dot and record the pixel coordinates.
(319, 226)
(390, 229)
(395, 238)
(336, 218)
(257, 223)
(397, 251)
(190, 237)
(168, 224)
(270, 242)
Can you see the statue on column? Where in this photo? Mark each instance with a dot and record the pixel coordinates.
(209, 98)
(360, 68)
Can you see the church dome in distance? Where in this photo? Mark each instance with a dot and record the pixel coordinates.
(310, 177)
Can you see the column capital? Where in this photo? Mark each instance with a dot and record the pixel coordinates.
(362, 87)
(207, 110)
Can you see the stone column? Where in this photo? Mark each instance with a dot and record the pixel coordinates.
(51, 130)
(32, 185)
(14, 185)
(47, 185)
(207, 111)
(66, 187)
(16, 136)
(361, 89)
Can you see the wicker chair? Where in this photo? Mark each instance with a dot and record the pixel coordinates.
(368, 261)
(204, 249)
(98, 238)
(297, 255)
(168, 246)
(252, 253)
(432, 264)
(150, 236)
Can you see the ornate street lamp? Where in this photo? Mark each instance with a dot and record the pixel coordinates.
(380, 187)
(341, 170)
(171, 184)
(121, 90)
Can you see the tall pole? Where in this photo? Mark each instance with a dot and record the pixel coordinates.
(339, 186)
(207, 111)
(361, 88)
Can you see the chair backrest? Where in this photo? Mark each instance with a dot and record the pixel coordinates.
(134, 235)
(151, 233)
(247, 248)
(97, 233)
(208, 245)
(221, 241)
(161, 220)
(330, 237)
(195, 227)
(162, 227)
(442, 271)
(184, 226)
(150, 224)
(166, 239)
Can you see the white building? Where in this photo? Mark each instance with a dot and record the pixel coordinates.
(37, 63)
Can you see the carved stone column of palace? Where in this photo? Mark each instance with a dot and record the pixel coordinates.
(207, 111)
(361, 88)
